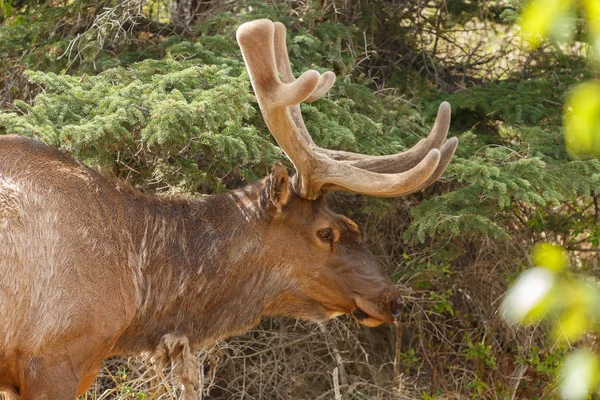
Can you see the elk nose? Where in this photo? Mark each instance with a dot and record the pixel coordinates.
(396, 307)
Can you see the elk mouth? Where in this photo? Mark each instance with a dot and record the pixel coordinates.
(367, 320)
(359, 314)
(372, 318)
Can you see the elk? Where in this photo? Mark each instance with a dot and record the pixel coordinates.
(90, 268)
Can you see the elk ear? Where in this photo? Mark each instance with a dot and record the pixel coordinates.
(279, 187)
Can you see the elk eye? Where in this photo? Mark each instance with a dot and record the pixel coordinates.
(325, 234)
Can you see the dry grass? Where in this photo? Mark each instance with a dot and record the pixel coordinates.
(432, 351)
(281, 359)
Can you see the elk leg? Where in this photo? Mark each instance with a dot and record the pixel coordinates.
(184, 363)
(9, 396)
(86, 382)
(49, 381)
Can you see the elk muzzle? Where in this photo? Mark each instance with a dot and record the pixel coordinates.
(386, 308)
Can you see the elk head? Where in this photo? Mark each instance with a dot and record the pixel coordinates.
(332, 270)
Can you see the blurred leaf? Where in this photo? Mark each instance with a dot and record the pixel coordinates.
(545, 18)
(529, 299)
(550, 256)
(579, 375)
(592, 10)
(572, 325)
(582, 120)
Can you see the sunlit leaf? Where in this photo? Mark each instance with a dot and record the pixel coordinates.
(579, 375)
(550, 256)
(542, 18)
(582, 120)
(579, 304)
(572, 325)
(529, 299)
(592, 10)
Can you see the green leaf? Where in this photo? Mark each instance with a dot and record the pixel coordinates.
(540, 18)
(582, 120)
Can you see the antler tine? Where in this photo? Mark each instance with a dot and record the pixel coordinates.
(351, 179)
(320, 170)
(326, 81)
(402, 161)
(447, 151)
(383, 164)
(395, 163)
(257, 44)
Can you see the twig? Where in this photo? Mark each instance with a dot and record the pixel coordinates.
(336, 385)
(337, 357)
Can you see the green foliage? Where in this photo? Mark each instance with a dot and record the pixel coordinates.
(523, 102)
(189, 118)
(501, 183)
(169, 110)
(175, 113)
(482, 352)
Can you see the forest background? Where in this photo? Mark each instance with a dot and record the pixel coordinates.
(156, 93)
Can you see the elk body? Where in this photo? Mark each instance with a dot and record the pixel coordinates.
(90, 269)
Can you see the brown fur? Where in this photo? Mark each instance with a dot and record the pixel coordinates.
(88, 269)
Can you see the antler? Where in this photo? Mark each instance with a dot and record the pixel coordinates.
(319, 170)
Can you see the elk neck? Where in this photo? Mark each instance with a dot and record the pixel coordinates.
(200, 269)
